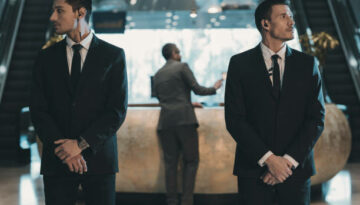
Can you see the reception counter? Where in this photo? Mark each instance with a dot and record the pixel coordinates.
(140, 157)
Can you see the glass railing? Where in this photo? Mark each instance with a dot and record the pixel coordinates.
(349, 36)
(9, 24)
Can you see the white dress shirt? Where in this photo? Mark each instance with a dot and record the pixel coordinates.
(267, 53)
(85, 43)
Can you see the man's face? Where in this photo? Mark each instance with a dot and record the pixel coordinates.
(281, 23)
(176, 54)
(63, 17)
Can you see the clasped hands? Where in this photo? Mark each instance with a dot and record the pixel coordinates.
(69, 152)
(279, 169)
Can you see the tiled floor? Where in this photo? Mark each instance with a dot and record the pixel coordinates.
(23, 186)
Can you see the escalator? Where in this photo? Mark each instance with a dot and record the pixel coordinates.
(337, 76)
(30, 38)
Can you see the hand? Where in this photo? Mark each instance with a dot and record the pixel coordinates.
(67, 149)
(279, 167)
(218, 84)
(270, 179)
(196, 104)
(77, 164)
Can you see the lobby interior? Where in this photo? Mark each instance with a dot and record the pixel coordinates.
(208, 33)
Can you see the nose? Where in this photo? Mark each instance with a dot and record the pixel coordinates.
(292, 22)
(53, 16)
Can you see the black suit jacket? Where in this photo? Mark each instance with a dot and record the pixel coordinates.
(258, 122)
(173, 84)
(94, 111)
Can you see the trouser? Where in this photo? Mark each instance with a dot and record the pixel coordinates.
(294, 191)
(63, 190)
(181, 139)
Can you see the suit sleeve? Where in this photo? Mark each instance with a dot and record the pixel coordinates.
(44, 123)
(313, 125)
(236, 118)
(111, 119)
(191, 81)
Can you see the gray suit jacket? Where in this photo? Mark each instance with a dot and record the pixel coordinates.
(172, 86)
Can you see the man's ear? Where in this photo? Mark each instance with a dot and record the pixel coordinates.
(265, 24)
(81, 12)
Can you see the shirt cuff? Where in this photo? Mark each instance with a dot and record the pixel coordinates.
(292, 160)
(261, 162)
(82, 143)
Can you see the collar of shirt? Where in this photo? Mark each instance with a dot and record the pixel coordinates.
(267, 53)
(83, 52)
(85, 42)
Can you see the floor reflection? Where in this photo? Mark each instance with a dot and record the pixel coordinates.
(340, 189)
(31, 185)
(24, 185)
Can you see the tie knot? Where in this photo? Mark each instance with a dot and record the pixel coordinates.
(275, 57)
(77, 47)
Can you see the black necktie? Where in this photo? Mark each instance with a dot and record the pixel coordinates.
(276, 76)
(75, 65)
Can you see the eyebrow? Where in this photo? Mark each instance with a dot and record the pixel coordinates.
(57, 7)
(286, 13)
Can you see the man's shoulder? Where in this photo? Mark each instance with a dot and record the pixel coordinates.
(176, 66)
(245, 55)
(173, 68)
(108, 47)
(300, 54)
(53, 48)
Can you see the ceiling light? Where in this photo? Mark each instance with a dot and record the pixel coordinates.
(2, 69)
(214, 9)
(133, 2)
(193, 13)
(353, 62)
(222, 17)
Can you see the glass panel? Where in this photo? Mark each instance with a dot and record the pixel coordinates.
(207, 51)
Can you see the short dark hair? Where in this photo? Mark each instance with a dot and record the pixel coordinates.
(263, 11)
(77, 4)
(167, 50)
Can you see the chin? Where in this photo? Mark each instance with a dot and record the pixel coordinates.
(289, 38)
(58, 32)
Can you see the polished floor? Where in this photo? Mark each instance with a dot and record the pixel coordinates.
(23, 186)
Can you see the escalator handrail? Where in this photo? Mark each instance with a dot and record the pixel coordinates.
(301, 20)
(2, 6)
(9, 27)
(347, 35)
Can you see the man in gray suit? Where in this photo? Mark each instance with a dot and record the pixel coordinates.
(177, 125)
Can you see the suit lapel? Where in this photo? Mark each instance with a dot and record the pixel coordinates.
(288, 72)
(260, 63)
(64, 66)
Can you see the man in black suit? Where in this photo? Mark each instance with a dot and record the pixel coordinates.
(274, 110)
(177, 124)
(78, 102)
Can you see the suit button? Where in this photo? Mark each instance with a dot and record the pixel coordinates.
(73, 104)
